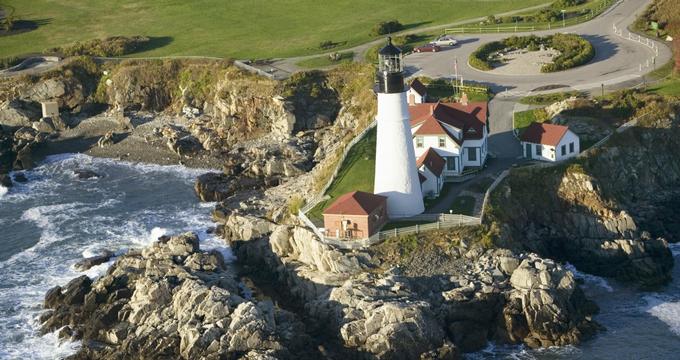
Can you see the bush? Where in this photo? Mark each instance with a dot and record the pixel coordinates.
(386, 27)
(8, 62)
(575, 51)
(480, 58)
(325, 45)
(567, 3)
(112, 46)
(295, 203)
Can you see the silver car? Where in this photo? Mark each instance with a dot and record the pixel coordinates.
(445, 40)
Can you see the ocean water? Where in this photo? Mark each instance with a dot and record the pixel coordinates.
(640, 325)
(55, 219)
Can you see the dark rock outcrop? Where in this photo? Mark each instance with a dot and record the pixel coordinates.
(171, 300)
(609, 213)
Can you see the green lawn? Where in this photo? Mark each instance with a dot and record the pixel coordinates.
(669, 87)
(356, 173)
(463, 204)
(232, 28)
(525, 118)
(324, 60)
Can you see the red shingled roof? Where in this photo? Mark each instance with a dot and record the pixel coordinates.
(432, 161)
(470, 118)
(543, 133)
(356, 203)
(418, 87)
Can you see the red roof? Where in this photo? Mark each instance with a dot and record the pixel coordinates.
(356, 203)
(471, 118)
(432, 161)
(418, 87)
(544, 133)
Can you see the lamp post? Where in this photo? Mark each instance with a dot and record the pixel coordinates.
(563, 20)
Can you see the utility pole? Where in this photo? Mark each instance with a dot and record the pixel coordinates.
(602, 89)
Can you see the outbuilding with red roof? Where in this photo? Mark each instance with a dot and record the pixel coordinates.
(416, 93)
(549, 142)
(355, 215)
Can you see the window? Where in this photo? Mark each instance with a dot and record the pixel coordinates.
(419, 141)
(538, 149)
(442, 141)
(472, 154)
(571, 147)
(450, 163)
(564, 150)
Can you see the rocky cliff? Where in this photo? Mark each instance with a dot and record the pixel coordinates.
(379, 307)
(610, 212)
(172, 300)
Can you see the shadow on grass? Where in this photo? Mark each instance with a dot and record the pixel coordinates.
(23, 26)
(155, 43)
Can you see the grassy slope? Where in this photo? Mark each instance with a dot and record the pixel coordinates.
(356, 173)
(524, 118)
(232, 28)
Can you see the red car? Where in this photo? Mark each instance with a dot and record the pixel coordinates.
(427, 48)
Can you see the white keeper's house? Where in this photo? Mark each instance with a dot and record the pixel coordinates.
(549, 142)
(457, 132)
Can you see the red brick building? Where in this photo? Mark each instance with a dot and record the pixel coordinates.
(355, 215)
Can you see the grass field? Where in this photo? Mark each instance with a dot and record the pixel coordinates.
(522, 119)
(324, 60)
(232, 28)
(357, 173)
(463, 204)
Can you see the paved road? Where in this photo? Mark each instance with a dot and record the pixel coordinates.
(617, 64)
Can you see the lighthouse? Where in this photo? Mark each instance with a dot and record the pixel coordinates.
(396, 174)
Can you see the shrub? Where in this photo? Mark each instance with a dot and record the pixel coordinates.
(9, 62)
(325, 45)
(386, 27)
(295, 203)
(112, 46)
(480, 58)
(574, 51)
(567, 3)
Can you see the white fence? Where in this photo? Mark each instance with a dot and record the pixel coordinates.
(651, 44)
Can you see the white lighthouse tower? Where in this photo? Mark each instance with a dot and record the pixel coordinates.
(396, 175)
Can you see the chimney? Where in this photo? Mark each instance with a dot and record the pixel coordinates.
(464, 99)
(411, 100)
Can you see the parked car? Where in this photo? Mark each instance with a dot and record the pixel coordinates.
(445, 40)
(427, 48)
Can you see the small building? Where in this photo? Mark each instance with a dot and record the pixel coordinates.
(549, 142)
(431, 168)
(355, 215)
(457, 131)
(50, 109)
(417, 93)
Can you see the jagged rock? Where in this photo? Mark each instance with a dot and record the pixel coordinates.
(12, 114)
(151, 304)
(106, 140)
(88, 263)
(218, 187)
(185, 145)
(45, 125)
(84, 174)
(20, 178)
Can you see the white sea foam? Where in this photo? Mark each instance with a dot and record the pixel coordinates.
(71, 219)
(666, 311)
(589, 279)
(3, 191)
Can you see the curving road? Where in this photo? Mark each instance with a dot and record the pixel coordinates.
(618, 62)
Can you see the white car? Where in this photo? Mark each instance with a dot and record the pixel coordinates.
(445, 40)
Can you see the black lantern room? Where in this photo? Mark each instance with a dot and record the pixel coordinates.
(390, 69)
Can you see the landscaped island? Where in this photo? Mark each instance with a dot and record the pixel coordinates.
(555, 52)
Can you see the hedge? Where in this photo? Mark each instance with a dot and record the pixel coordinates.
(480, 58)
(112, 46)
(386, 27)
(574, 51)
